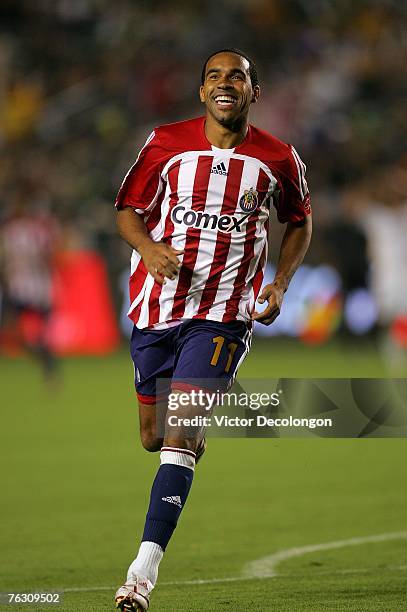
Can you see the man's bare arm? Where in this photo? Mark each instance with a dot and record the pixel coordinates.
(160, 259)
(293, 248)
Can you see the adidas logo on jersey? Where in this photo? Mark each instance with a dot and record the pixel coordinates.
(201, 220)
(173, 499)
(219, 169)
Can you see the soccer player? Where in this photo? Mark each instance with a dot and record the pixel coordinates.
(28, 242)
(195, 207)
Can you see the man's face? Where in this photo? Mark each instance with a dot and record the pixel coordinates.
(227, 91)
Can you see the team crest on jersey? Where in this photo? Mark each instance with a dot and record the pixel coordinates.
(249, 200)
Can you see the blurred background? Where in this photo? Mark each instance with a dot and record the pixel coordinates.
(83, 82)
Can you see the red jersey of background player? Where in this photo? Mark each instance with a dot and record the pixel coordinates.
(215, 205)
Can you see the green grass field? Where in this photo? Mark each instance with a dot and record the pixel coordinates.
(75, 484)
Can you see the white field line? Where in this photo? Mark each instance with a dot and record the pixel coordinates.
(265, 567)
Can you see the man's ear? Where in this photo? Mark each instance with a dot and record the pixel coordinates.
(256, 93)
(201, 94)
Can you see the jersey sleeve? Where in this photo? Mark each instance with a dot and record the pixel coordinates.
(293, 200)
(143, 184)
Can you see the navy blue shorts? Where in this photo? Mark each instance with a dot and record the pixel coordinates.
(187, 355)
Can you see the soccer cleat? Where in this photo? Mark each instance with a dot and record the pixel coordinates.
(134, 596)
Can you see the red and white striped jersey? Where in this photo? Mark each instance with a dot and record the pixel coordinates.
(214, 204)
(27, 245)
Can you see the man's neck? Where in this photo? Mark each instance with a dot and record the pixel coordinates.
(225, 137)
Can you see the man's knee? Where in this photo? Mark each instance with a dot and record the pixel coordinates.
(148, 428)
(150, 442)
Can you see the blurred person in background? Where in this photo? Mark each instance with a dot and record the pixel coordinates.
(27, 246)
(380, 208)
(385, 222)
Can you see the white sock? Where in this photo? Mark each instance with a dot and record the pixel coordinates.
(146, 563)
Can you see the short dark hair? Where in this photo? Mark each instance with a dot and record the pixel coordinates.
(252, 66)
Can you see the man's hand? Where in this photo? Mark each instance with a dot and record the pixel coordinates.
(294, 245)
(274, 294)
(161, 260)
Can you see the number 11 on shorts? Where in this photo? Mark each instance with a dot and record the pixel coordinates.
(219, 341)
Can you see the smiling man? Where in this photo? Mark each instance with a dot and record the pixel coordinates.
(195, 207)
